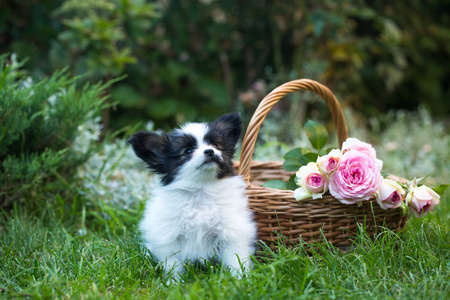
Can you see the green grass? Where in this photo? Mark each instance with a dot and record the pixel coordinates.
(52, 253)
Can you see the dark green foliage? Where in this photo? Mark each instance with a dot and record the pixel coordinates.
(189, 60)
(38, 124)
(27, 29)
(101, 36)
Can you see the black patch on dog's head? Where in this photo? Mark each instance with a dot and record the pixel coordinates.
(163, 154)
(224, 134)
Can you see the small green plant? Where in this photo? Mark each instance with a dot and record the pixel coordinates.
(39, 122)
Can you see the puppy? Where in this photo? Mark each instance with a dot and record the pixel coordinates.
(199, 210)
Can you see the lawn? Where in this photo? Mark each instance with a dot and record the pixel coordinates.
(47, 255)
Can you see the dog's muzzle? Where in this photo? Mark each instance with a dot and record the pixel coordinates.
(210, 157)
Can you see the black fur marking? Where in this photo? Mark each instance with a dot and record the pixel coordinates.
(149, 147)
(163, 154)
(224, 134)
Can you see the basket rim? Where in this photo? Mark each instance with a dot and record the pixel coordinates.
(249, 141)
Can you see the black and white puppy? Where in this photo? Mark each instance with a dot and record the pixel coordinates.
(199, 211)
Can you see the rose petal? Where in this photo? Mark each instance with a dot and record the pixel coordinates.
(300, 194)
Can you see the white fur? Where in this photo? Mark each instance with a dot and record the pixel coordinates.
(198, 216)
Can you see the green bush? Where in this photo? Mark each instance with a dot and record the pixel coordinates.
(193, 60)
(38, 123)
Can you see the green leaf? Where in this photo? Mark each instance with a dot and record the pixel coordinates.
(296, 158)
(296, 153)
(292, 183)
(275, 184)
(292, 165)
(317, 134)
(308, 157)
(440, 189)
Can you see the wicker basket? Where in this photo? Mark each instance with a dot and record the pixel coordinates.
(279, 214)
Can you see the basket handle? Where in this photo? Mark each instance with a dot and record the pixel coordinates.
(248, 145)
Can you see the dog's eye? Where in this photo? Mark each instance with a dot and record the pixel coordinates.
(216, 145)
(188, 151)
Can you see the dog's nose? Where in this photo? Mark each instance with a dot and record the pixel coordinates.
(209, 152)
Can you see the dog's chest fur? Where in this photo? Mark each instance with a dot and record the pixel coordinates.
(195, 220)
(200, 209)
(200, 218)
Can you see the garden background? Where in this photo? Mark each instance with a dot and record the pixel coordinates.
(79, 76)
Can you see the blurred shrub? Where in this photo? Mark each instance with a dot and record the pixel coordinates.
(38, 123)
(100, 36)
(27, 29)
(414, 145)
(195, 59)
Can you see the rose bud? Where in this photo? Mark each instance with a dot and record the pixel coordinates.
(421, 200)
(390, 194)
(327, 164)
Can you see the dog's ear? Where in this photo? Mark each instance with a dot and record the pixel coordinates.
(149, 147)
(230, 125)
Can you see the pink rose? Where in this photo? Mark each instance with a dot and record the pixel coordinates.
(328, 164)
(312, 183)
(357, 178)
(390, 194)
(361, 147)
(421, 200)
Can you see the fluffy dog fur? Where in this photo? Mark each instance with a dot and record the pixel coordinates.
(199, 211)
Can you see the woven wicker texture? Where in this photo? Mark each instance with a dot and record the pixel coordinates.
(277, 212)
